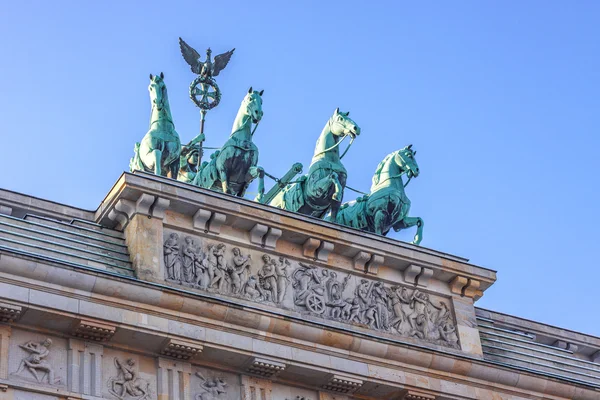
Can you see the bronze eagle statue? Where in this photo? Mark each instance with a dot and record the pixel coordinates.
(208, 68)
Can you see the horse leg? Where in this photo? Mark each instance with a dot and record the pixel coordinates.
(257, 172)
(379, 220)
(408, 222)
(157, 159)
(223, 178)
(338, 193)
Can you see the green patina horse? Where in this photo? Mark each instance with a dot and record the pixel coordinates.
(322, 188)
(386, 206)
(232, 168)
(159, 150)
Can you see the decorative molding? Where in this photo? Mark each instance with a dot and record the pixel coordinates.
(119, 217)
(208, 221)
(265, 236)
(413, 395)
(6, 210)
(10, 312)
(257, 233)
(596, 357)
(181, 349)
(92, 330)
(264, 368)
(373, 264)
(425, 277)
(561, 344)
(127, 207)
(466, 287)
(418, 276)
(144, 203)
(310, 247)
(4, 387)
(342, 384)
(360, 260)
(160, 207)
(272, 236)
(323, 251)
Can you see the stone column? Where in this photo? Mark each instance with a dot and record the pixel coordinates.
(145, 243)
(173, 380)
(84, 373)
(4, 342)
(256, 389)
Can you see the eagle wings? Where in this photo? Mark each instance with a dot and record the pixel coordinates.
(208, 68)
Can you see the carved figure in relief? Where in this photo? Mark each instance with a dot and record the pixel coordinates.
(398, 296)
(190, 251)
(217, 267)
(252, 289)
(172, 257)
(340, 308)
(239, 270)
(309, 283)
(127, 384)
(283, 278)
(200, 268)
(418, 319)
(35, 362)
(212, 389)
(380, 301)
(268, 279)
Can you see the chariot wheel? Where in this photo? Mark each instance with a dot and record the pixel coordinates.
(205, 93)
(315, 303)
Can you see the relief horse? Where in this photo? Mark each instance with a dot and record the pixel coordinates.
(234, 167)
(323, 187)
(387, 206)
(160, 148)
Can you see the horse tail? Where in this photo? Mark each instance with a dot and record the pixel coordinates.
(136, 163)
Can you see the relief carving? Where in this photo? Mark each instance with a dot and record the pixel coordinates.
(314, 290)
(35, 362)
(212, 389)
(127, 385)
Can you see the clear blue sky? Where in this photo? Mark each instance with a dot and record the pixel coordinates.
(500, 98)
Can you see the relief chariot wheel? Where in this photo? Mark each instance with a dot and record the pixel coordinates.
(315, 303)
(205, 93)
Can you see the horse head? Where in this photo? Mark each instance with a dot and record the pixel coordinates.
(342, 125)
(405, 159)
(253, 105)
(158, 91)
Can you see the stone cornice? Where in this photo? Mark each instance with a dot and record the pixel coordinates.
(123, 202)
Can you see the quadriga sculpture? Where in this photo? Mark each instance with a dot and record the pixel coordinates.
(159, 150)
(322, 188)
(386, 206)
(232, 168)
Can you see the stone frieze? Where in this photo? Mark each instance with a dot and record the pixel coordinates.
(216, 267)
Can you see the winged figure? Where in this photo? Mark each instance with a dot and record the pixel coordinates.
(208, 68)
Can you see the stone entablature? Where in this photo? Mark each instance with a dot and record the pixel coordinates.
(201, 321)
(197, 210)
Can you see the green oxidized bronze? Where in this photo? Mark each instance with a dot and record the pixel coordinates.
(159, 150)
(234, 166)
(204, 91)
(322, 188)
(387, 206)
(189, 160)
